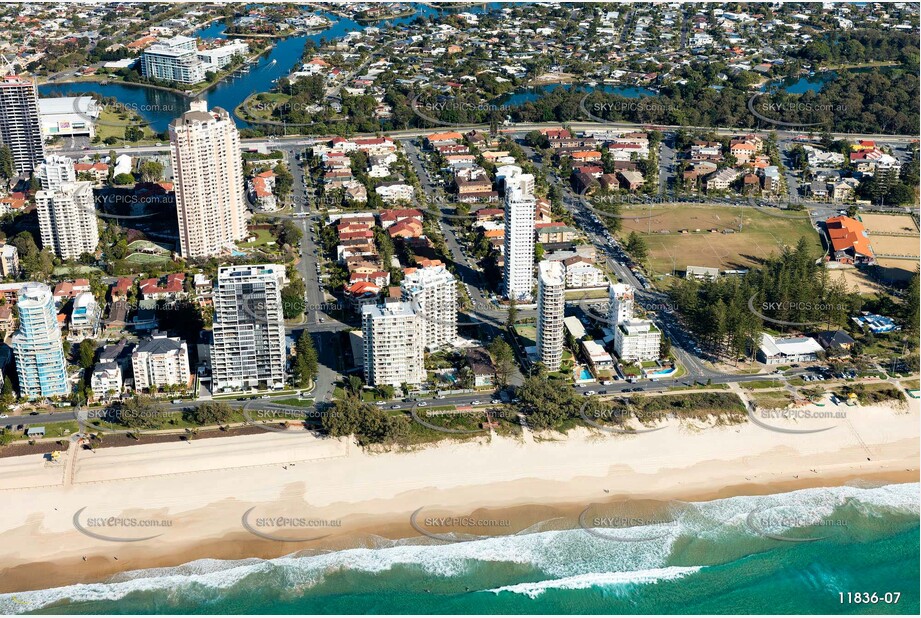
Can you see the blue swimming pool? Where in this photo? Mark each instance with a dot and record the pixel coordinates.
(585, 374)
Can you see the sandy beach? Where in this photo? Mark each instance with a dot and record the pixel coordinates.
(222, 498)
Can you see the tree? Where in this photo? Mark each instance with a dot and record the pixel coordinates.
(305, 360)
(366, 422)
(141, 412)
(151, 171)
(284, 181)
(123, 179)
(292, 299)
(503, 359)
(133, 133)
(85, 353)
(210, 413)
(7, 397)
(512, 316)
(546, 403)
(7, 163)
(354, 384)
(636, 246)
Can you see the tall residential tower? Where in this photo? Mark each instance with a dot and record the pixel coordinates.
(551, 304)
(249, 328)
(208, 179)
(20, 125)
(67, 219)
(520, 207)
(432, 291)
(393, 345)
(37, 345)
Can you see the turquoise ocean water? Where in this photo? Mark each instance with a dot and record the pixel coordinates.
(721, 556)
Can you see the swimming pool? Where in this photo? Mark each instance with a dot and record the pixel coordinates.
(585, 374)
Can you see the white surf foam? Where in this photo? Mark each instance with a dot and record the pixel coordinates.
(598, 580)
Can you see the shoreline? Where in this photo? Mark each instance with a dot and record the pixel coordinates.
(205, 489)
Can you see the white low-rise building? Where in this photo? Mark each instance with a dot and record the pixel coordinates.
(637, 340)
(68, 116)
(84, 317)
(597, 356)
(777, 351)
(581, 272)
(106, 379)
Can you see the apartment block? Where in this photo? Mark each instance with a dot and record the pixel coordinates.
(160, 361)
(9, 261)
(20, 122)
(432, 292)
(393, 345)
(620, 303)
(520, 207)
(174, 59)
(637, 340)
(249, 328)
(208, 180)
(67, 219)
(551, 304)
(84, 317)
(37, 345)
(55, 171)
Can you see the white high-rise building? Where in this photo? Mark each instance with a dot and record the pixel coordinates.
(37, 345)
(551, 304)
(20, 122)
(55, 171)
(249, 328)
(637, 340)
(160, 361)
(432, 291)
(393, 345)
(67, 219)
(520, 207)
(620, 303)
(208, 179)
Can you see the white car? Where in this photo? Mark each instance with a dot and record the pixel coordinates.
(496, 401)
(381, 403)
(589, 393)
(422, 404)
(439, 396)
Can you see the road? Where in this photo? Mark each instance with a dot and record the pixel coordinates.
(489, 315)
(302, 140)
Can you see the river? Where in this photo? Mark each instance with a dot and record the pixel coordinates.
(160, 107)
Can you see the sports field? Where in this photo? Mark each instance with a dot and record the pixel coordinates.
(688, 235)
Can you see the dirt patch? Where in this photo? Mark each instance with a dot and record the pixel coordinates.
(889, 224)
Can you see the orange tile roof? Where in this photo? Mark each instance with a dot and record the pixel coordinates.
(846, 233)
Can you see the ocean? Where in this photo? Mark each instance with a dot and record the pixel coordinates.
(794, 552)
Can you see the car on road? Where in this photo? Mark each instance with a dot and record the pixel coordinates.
(265, 397)
(380, 403)
(588, 393)
(395, 407)
(496, 401)
(422, 404)
(476, 402)
(439, 396)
